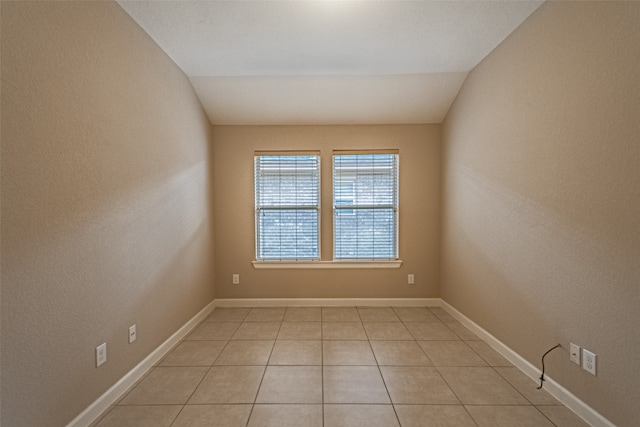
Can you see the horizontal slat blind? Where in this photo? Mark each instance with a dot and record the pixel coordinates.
(365, 206)
(287, 200)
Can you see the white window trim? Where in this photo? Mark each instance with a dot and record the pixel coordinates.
(396, 206)
(336, 263)
(274, 265)
(318, 207)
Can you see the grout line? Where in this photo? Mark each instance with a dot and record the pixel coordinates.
(456, 395)
(544, 415)
(322, 365)
(393, 406)
(205, 374)
(263, 373)
(379, 369)
(510, 385)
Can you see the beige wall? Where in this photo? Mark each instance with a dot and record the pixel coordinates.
(541, 207)
(105, 212)
(106, 218)
(234, 212)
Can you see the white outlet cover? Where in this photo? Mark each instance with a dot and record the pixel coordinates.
(101, 354)
(589, 361)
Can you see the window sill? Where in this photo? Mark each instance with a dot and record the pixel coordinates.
(259, 265)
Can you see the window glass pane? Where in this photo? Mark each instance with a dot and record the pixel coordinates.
(287, 181)
(365, 204)
(287, 190)
(288, 234)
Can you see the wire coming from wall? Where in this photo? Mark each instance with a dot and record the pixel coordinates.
(547, 352)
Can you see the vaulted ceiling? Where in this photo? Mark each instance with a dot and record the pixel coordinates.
(328, 62)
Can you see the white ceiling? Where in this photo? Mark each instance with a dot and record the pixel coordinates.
(328, 62)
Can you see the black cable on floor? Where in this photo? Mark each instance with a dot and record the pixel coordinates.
(542, 376)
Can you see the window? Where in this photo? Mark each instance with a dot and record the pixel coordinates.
(287, 202)
(365, 205)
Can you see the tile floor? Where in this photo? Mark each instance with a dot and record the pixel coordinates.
(335, 366)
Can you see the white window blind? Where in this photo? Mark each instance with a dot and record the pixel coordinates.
(287, 201)
(365, 206)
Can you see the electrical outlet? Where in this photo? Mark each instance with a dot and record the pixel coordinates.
(588, 361)
(236, 279)
(574, 353)
(101, 354)
(132, 333)
(411, 279)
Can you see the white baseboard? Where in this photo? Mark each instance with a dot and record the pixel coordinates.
(103, 403)
(115, 392)
(332, 302)
(584, 411)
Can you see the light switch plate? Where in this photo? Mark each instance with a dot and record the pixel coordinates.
(132, 333)
(574, 353)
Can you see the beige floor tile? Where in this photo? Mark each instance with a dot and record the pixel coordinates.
(353, 384)
(266, 314)
(386, 331)
(377, 314)
(462, 331)
(300, 331)
(492, 357)
(303, 314)
(429, 331)
(165, 386)
(526, 386)
(340, 314)
(562, 416)
(228, 315)
(508, 416)
(415, 314)
(213, 416)
(246, 353)
(141, 416)
(417, 385)
(360, 416)
(229, 384)
(441, 314)
(349, 342)
(451, 353)
(343, 331)
(257, 331)
(434, 416)
(298, 352)
(481, 386)
(286, 416)
(291, 384)
(347, 353)
(210, 331)
(194, 353)
(399, 353)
